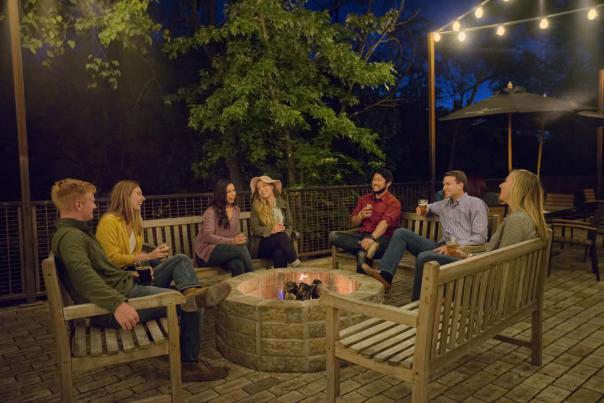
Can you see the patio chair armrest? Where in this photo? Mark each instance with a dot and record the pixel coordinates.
(151, 301)
(572, 225)
(385, 312)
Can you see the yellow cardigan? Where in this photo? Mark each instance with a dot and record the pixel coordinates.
(113, 236)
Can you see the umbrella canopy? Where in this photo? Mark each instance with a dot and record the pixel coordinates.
(513, 100)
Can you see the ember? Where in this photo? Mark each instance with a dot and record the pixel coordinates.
(293, 291)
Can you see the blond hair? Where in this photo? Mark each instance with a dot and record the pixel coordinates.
(264, 209)
(66, 191)
(121, 205)
(527, 195)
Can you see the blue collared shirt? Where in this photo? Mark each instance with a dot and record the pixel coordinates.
(466, 219)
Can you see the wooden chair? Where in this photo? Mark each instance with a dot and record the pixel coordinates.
(558, 201)
(81, 347)
(579, 233)
(462, 305)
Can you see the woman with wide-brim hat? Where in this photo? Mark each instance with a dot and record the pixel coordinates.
(272, 223)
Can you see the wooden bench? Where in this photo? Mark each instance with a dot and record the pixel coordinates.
(180, 234)
(558, 201)
(81, 347)
(462, 305)
(428, 227)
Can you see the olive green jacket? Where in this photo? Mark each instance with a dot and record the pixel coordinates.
(85, 270)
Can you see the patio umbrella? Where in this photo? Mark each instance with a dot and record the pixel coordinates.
(510, 101)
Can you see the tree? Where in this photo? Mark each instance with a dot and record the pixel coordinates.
(277, 94)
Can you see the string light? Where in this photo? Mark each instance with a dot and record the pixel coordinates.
(479, 12)
(436, 37)
(456, 26)
(544, 23)
(461, 36)
(500, 30)
(592, 14)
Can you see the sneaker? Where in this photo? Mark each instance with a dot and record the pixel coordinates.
(202, 372)
(208, 296)
(382, 277)
(295, 263)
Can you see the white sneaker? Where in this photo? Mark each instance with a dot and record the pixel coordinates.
(295, 263)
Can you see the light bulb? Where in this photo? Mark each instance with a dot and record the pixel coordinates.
(436, 37)
(505, 1)
(500, 30)
(592, 14)
(461, 36)
(456, 26)
(479, 12)
(544, 23)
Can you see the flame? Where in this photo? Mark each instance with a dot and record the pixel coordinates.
(281, 295)
(302, 277)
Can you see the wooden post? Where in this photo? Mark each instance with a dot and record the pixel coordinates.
(431, 110)
(332, 364)
(599, 135)
(28, 268)
(509, 142)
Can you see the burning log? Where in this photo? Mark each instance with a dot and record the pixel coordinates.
(302, 291)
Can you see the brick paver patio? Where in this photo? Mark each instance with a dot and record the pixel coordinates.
(573, 359)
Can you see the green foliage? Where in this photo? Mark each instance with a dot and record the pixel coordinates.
(51, 28)
(279, 89)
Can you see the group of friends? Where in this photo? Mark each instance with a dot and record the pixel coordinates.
(464, 217)
(100, 267)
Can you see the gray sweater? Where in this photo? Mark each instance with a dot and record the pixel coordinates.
(516, 227)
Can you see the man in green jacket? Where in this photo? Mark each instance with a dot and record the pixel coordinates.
(89, 276)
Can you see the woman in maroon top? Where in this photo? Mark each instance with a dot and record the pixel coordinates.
(220, 241)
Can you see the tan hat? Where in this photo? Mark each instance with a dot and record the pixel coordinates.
(265, 179)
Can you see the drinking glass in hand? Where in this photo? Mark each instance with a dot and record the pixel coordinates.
(422, 204)
(144, 272)
(452, 245)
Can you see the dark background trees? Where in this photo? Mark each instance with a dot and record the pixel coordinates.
(142, 129)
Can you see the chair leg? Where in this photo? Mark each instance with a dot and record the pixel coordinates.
(66, 382)
(536, 338)
(594, 261)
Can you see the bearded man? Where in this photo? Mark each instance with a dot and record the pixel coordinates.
(376, 215)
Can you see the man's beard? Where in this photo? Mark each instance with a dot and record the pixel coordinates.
(380, 191)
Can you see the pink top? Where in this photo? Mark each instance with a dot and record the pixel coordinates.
(212, 234)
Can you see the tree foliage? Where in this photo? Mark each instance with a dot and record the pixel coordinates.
(280, 89)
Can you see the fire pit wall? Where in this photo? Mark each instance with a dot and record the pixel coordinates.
(256, 329)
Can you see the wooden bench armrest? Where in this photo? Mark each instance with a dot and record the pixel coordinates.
(296, 235)
(385, 312)
(474, 248)
(151, 301)
(572, 224)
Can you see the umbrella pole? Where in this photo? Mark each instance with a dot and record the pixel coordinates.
(509, 142)
(540, 150)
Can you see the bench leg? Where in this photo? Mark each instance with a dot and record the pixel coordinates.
(536, 337)
(419, 388)
(332, 365)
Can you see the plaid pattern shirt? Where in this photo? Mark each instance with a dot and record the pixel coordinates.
(466, 219)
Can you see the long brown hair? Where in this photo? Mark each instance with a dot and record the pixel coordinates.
(121, 205)
(264, 209)
(527, 195)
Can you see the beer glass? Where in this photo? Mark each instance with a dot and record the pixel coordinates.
(144, 272)
(423, 206)
(452, 245)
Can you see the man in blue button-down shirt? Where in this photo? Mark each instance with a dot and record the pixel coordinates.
(463, 216)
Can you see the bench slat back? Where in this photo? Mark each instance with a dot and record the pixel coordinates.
(559, 201)
(180, 233)
(472, 297)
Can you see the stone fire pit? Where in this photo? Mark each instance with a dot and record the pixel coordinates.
(256, 329)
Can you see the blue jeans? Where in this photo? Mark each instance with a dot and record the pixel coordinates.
(350, 243)
(406, 240)
(234, 258)
(180, 270)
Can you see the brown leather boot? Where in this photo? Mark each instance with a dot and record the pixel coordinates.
(201, 372)
(208, 296)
